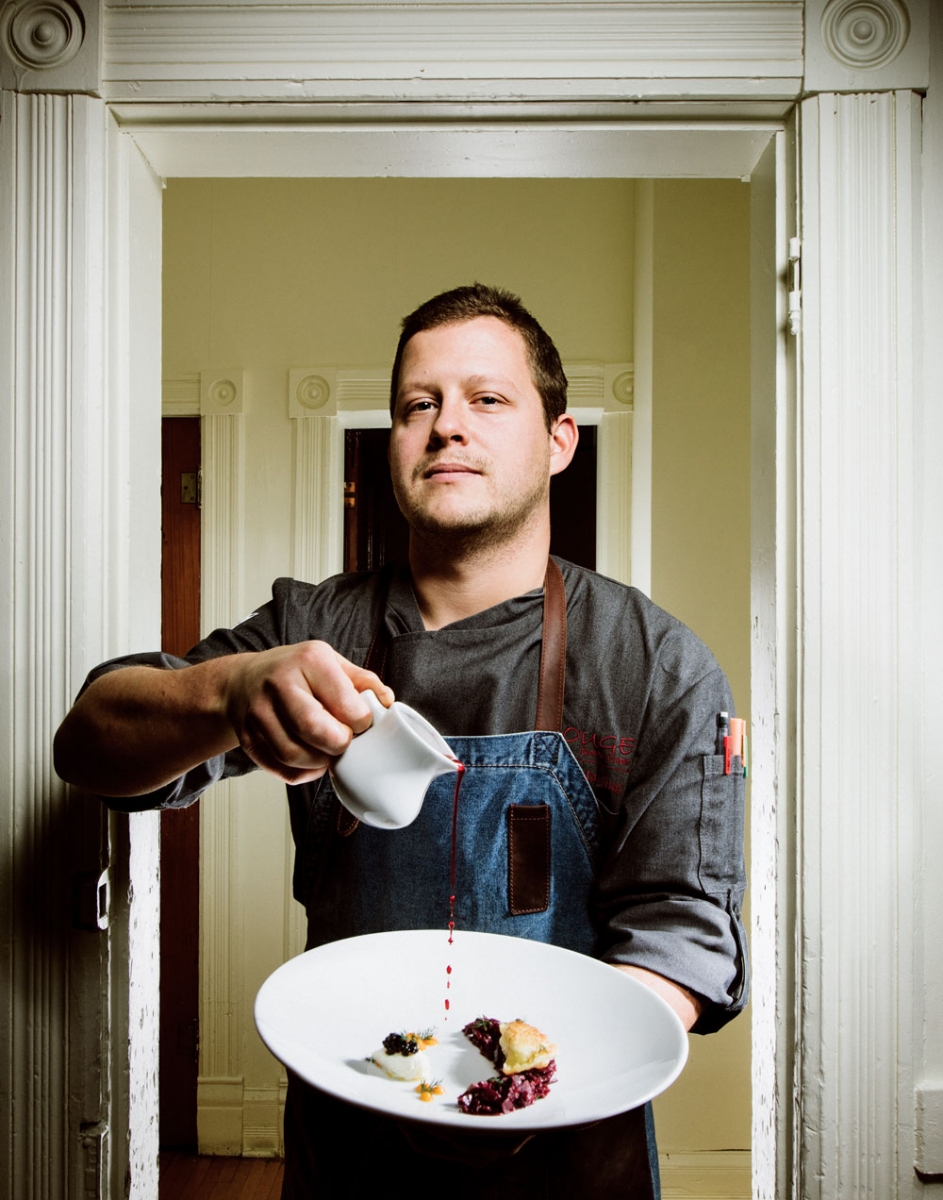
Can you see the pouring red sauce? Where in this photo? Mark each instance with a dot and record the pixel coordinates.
(459, 776)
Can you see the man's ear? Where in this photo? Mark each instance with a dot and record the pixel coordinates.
(563, 439)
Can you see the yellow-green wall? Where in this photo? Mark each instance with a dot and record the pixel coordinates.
(276, 272)
(701, 529)
(270, 274)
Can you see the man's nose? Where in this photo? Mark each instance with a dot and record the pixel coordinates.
(450, 422)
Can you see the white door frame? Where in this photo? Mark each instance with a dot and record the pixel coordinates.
(852, 438)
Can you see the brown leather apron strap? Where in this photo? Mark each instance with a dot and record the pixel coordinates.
(552, 652)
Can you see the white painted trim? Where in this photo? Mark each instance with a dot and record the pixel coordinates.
(143, 1004)
(866, 45)
(222, 967)
(461, 148)
(642, 348)
(131, 496)
(772, 685)
(79, 537)
(364, 418)
(181, 397)
(318, 511)
(855, 871)
(222, 391)
(199, 52)
(708, 1175)
(923, 743)
(616, 460)
(220, 1114)
(262, 1115)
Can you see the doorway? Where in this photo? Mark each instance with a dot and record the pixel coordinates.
(218, 212)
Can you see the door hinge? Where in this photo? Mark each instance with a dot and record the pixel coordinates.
(350, 494)
(795, 286)
(91, 899)
(191, 487)
(93, 1136)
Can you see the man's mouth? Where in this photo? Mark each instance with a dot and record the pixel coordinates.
(449, 468)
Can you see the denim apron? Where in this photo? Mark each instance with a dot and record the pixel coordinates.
(526, 843)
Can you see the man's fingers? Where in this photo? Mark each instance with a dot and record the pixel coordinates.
(297, 707)
(269, 746)
(364, 680)
(338, 686)
(303, 724)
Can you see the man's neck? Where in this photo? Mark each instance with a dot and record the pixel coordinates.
(450, 586)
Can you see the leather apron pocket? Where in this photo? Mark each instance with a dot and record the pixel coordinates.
(528, 858)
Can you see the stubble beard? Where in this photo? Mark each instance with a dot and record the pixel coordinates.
(474, 533)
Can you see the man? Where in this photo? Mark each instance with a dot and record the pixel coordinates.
(512, 657)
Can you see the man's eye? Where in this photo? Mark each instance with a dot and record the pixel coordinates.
(420, 406)
(488, 400)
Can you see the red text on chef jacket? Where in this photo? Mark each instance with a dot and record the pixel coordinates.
(606, 758)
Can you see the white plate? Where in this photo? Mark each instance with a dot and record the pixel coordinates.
(322, 1014)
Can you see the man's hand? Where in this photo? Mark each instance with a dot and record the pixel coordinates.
(295, 708)
(292, 709)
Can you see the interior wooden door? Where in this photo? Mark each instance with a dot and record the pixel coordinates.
(180, 828)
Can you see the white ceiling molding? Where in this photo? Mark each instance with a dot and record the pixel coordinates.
(164, 51)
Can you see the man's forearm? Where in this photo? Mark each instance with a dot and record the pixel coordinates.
(291, 708)
(686, 1004)
(138, 728)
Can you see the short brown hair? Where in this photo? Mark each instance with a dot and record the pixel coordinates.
(478, 300)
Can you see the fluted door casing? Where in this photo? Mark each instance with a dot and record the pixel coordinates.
(82, 568)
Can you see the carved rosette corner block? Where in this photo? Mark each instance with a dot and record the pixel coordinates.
(312, 392)
(865, 34)
(221, 391)
(619, 387)
(40, 35)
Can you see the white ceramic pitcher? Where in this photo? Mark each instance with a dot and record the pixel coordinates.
(383, 775)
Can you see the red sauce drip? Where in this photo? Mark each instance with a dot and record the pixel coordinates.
(459, 776)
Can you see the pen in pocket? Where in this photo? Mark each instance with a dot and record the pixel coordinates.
(738, 742)
(723, 731)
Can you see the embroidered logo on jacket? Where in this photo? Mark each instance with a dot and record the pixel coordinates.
(605, 758)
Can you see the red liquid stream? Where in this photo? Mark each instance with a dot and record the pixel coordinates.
(459, 776)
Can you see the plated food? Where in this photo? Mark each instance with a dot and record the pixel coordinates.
(521, 1053)
(403, 1056)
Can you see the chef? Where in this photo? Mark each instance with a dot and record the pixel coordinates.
(596, 813)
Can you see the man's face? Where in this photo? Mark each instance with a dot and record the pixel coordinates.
(470, 454)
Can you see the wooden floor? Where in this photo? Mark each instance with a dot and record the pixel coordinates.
(195, 1177)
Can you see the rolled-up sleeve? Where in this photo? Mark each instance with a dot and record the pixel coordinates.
(671, 884)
